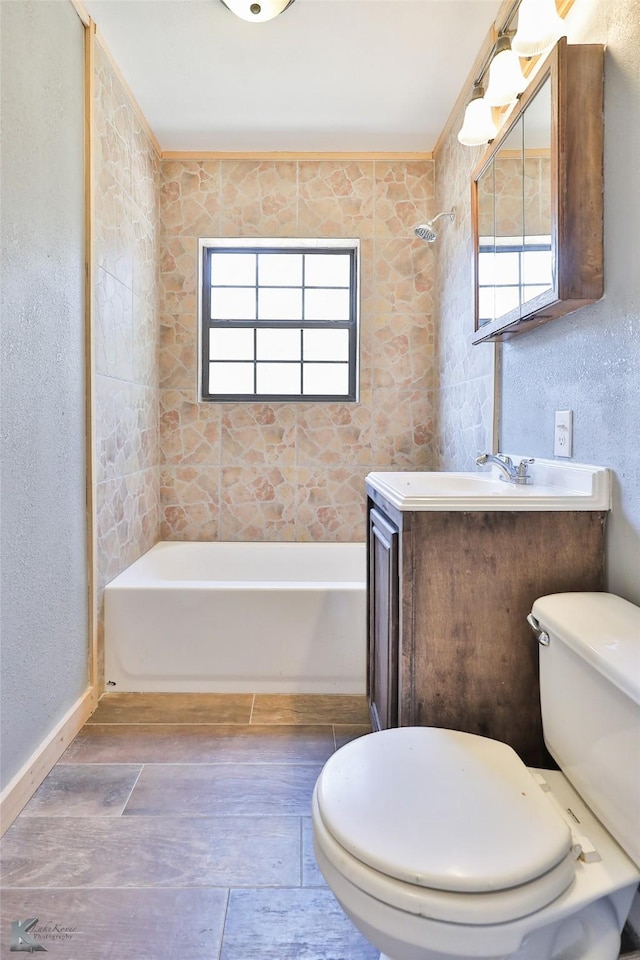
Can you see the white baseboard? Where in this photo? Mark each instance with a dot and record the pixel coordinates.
(27, 780)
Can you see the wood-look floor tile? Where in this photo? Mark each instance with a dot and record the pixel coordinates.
(303, 924)
(311, 876)
(200, 743)
(108, 924)
(309, 708)
(244, 789)
(84, 790)
(346, 732)
(151, 852)
(173, 708)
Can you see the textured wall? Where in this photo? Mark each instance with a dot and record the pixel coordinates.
(126, 330)
(590, 361)
(287, 471)
(44, 617)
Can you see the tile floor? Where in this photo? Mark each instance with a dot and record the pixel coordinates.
(177, 826)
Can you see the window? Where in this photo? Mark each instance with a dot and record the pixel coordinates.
(279, 319)
(510, 273)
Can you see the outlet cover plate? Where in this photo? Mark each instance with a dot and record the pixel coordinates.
(563, 435)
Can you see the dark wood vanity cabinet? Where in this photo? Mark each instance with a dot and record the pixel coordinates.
(448, 597)
(383, 597)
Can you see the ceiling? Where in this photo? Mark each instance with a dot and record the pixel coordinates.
(326, 75)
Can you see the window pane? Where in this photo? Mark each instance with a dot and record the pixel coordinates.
(325, 378)
(536, 266)
(278, 378)
(278, 344)
(507, 298)
(326, 344)
(511, 240)
(279, 304)
(280, 269)
(486, 269)
(486, 308)
(233, 269)
(327, 270)
(507, 268)
(231, 378)
(231, 344)
(233, 304)
(326, 304)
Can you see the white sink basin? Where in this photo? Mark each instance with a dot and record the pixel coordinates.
(555, 486)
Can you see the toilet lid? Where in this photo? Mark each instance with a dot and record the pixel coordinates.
(441, 809)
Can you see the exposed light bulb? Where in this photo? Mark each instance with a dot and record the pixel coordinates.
(506, 80)
(539, 28)
(478, 126)
(257, 11)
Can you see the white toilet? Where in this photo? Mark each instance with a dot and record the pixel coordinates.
(441, 845)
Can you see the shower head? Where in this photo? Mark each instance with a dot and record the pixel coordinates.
(425, 230)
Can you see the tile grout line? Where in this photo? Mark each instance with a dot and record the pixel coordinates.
(132, 789)
(198, 763)
(224, 922)
(177, 723)
(301, 852)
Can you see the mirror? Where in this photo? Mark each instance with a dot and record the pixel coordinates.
(537, 200)
(537, 254)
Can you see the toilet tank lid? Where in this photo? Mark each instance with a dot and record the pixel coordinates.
(600, 627)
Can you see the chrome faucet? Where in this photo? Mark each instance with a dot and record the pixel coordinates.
(511, 474)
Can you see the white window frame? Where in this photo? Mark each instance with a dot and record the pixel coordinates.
(206, 246)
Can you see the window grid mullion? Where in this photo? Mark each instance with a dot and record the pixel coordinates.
(255, 359)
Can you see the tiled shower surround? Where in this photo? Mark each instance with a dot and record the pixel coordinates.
(295, 471)
(125, 170)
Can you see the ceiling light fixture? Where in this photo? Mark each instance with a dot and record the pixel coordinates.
(257, 11)
(478, 126)
(539, 28)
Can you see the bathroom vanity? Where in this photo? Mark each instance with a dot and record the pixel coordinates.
(455, 562)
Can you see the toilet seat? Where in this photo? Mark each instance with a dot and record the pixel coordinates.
(450, 823)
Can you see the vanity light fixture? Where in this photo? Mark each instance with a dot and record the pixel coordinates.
(539, 28)
(257, 11)
(506, 80)
(478, 126)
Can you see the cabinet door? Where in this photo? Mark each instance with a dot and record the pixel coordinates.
(383, 621)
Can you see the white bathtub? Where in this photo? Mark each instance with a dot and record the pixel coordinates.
(239, 618)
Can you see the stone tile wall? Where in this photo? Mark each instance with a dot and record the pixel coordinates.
(126, 335)
(466, 372)
(521, 198)
(294, 471)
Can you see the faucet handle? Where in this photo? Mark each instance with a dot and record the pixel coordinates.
(523, 467)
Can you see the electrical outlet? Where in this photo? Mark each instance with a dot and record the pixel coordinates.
(563, 436)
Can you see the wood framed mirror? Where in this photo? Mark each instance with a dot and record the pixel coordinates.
(537, 200)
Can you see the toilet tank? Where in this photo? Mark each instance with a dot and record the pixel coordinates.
(590, 700)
